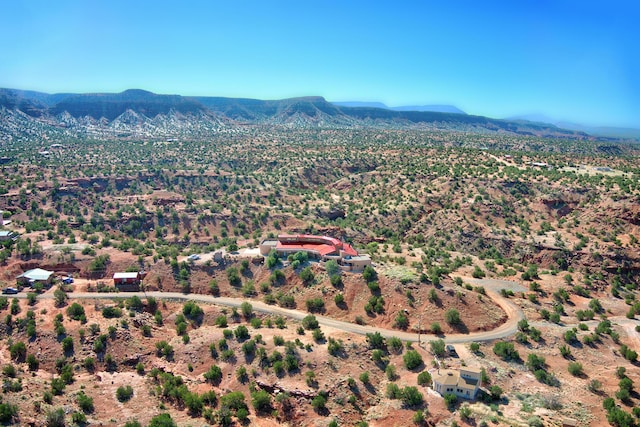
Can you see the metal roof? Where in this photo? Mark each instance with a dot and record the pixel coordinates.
(37, 274)
(126, 275)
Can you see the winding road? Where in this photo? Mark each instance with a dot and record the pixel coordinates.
(492, 288)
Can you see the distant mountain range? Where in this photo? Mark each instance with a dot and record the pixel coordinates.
(141, 114)
(432, 108)
(605, 131)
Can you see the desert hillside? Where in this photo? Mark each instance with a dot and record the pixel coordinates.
(519, 251)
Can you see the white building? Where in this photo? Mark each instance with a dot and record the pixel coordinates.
(464, 383)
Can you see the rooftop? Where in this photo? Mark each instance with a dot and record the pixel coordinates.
(324, 245)
(126, 275)
(36, 274)
(453, 378)
(447, 378)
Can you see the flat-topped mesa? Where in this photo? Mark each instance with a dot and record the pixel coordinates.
(321, 248)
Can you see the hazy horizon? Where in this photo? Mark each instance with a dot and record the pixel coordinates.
(567, 60)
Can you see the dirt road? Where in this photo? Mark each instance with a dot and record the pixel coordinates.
(492, 287)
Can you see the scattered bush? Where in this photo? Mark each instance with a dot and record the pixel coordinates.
(76, 312)
(424, 378)
(18, 351)
(124, 393)
(506, 351)
(412, 359)
(575, 369)
(85, 402)
(310, 322)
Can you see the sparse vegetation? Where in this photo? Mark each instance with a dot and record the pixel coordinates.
(431, 208)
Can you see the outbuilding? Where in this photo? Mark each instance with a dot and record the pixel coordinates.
(127, 281)
(36, 275)
(7, 235)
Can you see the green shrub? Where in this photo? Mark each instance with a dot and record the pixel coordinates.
(436, 328)
(85, 402)
(261, 401)
(32, 362)
(213, 375)
(437, 347)
(424, 378)
(8, 412)
(55, 418)
(412, 359)
(76, 312)
(242, 332)
(535, 362)
(67, 344)
(570, 336)
(395, 344)
(411, 396)
(124, 393)
(315, 305)
(452, 317)
(233, 401)
(506, 351)
(18, 351)
(335, 347)
(162, 420)
(310, 322)
(319, 402)
(57, 386)
(111, 312)
(575, 369)
(369, 274)
(401, 321)
(192, 311)
(450, 399)
(307, 275)
(234, 276)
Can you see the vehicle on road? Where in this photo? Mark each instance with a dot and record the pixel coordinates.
(193, 257)
(9, 291)
(451, 350)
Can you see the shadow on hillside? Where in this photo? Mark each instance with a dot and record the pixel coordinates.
(461, 328)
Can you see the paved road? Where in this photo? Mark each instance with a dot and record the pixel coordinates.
(492, 287)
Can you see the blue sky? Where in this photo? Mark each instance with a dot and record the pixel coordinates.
(570, 60)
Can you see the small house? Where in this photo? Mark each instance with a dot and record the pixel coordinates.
(7, 235)
(463, 383)
(127, 281)
(32, 277)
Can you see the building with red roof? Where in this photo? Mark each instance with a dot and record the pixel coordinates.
(322, 248)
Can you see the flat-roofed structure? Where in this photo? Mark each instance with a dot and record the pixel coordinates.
(464, 383)
(321, 248)
(127, 281)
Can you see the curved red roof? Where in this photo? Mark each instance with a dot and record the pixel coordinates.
(321, 244)
(319, 248)
(309, 238)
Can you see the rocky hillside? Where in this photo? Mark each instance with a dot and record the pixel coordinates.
(141, 114)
